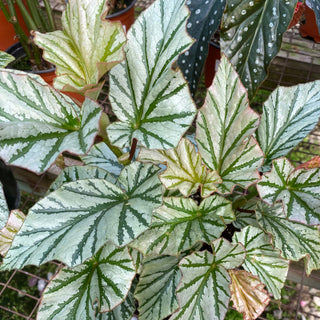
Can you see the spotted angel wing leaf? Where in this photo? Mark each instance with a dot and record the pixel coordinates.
(225, 125)
(73, 222)
(295, 240)
(5, 59)
(203, 292)
(315, 6)
(151, 100)
(262, 259)
(37, 123)
(251, 36)
(155, 291)
(298, 189)
(86, 48)
(105, 278)
(289, 114)
(205, 18)
(179, 223)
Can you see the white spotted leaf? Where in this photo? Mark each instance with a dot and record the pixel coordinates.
(106, 278)
(225, 125)
(5, 59)
(251, 36)
(37, 123)
(73, 222)
(151, 100)
(298, 189)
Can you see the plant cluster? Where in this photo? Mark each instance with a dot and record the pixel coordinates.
(191, 221)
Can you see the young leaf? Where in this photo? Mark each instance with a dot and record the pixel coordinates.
(251, 35)
(262, 259)
(205, 18)
(13, 225)
(289, 114)
(179, 223)
(248, 294)
(101, 156)
(203, 292)
(246, 216)
(106, 278)
(151, 100)
(155, 291)
(5, 59)
(224, 128)
(86, 48)
(37, 122)
(185, 170)
(299, 191)
(73, 222)
(294, 239)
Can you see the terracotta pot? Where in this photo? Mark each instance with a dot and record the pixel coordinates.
(7, 33)
(212, 63)
(125, 16)
(310, 28)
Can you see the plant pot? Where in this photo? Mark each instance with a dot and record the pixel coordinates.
(310, 28)
(125, 16)
(212, 62)
(7, 32)
(299, 10)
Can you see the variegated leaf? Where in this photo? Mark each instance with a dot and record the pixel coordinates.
(251, 36)
(5, 59)
(137, 258)
(101, 156)
(203, 292)
(75, 173)
(37, 122)
(8, 232)
(299, 191)
(151, 100)
(179, 223)
(248, 294)
(224, 128)
(289, 114)
(155, 291)
(262, 259)
(4, 211)
(87, 47)
(294, 239)
(246, 215)
(185, 170)
(73, 222)
(105, 278)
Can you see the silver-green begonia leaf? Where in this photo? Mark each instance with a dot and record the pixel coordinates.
(155, 291)
(4, 211)
(225, 126)
(246, 215)
(185, 170)
(105, 278)
(289, 114)
(5, 59)
(203, 292)
(37, 122)
(87, 47)
(73, 222)
(299, 191)
(151, 100)
(262, 259)
(179, 223)
(294, 239)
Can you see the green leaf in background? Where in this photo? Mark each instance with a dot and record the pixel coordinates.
(37, 123)
(105, 278)
(298, 189)
(315, 6)
(203, 292)
(225, 126)
(295, 240)
(73, 222)
(289, 114)
(87, 47)
(155, 291)
(262, 259)
(185, 170)
(5, 59)
(4, 211)
(251, 36)
(179, 223)
(205, 18)
(151, 100)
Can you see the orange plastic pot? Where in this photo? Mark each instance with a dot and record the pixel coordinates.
(212, 63)
(310, 28)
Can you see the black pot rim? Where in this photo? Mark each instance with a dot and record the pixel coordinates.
(121, 11)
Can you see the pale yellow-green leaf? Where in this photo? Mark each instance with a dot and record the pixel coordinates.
(5, 59)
